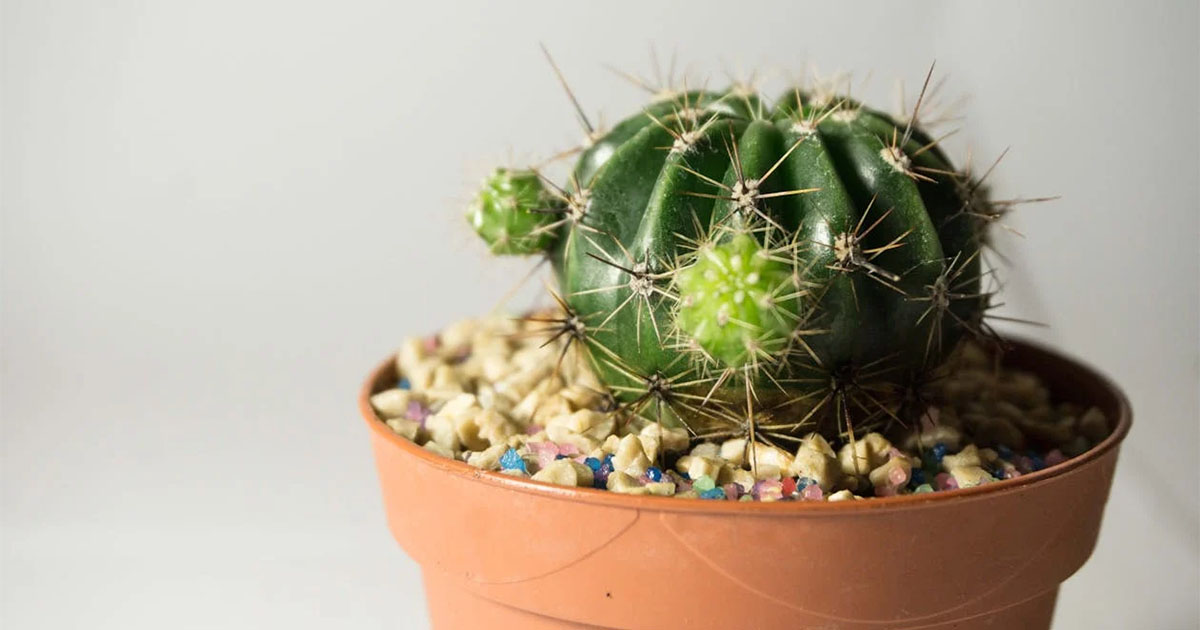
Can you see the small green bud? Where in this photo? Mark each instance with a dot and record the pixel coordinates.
(512, 211)
(736, 302)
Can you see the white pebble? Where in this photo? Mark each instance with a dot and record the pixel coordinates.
(650, 446)
(442, 432)
(610, 445)
(391, 403)
(459, 404)
(866, 453)
(435, 447)
(660, 488)
(740, 476)
(412, 353)
(816, 461)
(698, 466)
(968, 476)
(522, 383)
(562, 435)
(420, 374)
(968, 457)
(843, 495)
(581, 397)
(523, 412)
(405, 428)
(771, 459)
(467, 429)
(489, 458)
(1094, 425)
(817, 443)
(457, 336)
(882, 476)
(552, 407)
(447, 379)
(630, 458)
(495, 368)
(670, 439)
(495, 427)
(734, 451)
(489, 399)
(624, 484)
(565, 472)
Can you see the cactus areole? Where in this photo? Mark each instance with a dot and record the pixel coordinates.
(733, 264)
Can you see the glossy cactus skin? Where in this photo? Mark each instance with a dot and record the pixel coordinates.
(857, 243)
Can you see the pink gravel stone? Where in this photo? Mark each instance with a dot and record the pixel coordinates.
(768, 490)
(1055, 457)
(417, 412)
(812, 492)
(944, 481)
(546, 452)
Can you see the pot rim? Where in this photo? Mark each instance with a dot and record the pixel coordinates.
(595, 496)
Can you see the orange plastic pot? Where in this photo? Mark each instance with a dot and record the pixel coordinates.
(500, 552)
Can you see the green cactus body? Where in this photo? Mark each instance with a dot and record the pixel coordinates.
(855, 260)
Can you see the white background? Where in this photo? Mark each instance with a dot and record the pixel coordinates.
(217, 216)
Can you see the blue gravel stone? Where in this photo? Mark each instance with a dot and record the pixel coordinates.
(714, 493)
(917, 478)
(592, 463)
(600, 476)
(654, 474)
(511, 460)
(939, 451)
(404, 384)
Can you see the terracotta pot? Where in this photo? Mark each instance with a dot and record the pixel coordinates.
(499, 552)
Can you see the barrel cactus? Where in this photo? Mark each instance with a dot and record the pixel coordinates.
(741, 266)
